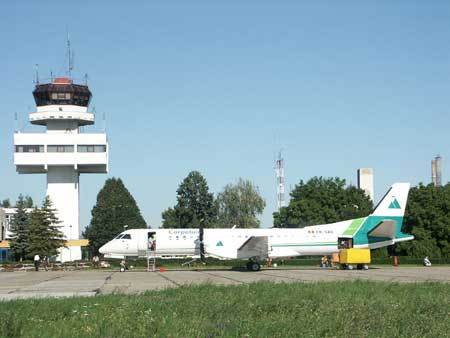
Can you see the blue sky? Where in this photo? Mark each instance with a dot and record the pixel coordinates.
(220, 86)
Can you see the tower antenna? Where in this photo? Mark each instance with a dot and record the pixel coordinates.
(70, 57)
(104, 122)
(36, 80)
(15, 123)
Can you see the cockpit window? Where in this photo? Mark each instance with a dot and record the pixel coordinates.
(119, 237)
(126, 236)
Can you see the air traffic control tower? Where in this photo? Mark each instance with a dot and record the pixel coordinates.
(63, 152)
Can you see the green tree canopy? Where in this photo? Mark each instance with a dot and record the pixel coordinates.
(323, 200)
(114, 209)
(44, 236)
(427, 217)
(240, 204)
(28, 202)
(195, 205)
(6, 203)
(19, 230)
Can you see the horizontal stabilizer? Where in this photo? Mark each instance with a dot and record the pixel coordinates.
(255, 246)
(384, 229)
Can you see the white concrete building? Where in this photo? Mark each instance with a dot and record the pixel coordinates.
(6, 216)
(365, 181)
(63, 152)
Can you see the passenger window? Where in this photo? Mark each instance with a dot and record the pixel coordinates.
(127, 236)
(184, 238)
(177, 238)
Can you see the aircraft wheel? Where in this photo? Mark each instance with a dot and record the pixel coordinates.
(255, 266)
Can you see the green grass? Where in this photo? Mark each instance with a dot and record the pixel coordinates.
(335, 309)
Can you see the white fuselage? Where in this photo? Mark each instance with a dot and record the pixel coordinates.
(224, 243)
(379, 229)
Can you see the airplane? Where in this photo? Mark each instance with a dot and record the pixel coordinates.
(379, 229)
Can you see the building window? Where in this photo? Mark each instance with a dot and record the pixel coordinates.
(91, 148)
(30, 149)
(60, 148)
(61, 96)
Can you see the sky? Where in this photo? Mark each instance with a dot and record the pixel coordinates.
(221, 86)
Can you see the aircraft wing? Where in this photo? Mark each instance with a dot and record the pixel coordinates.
(384, 229)
(255, 246)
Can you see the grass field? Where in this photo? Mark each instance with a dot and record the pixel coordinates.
(335, 309)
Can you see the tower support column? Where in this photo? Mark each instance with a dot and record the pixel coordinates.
(63, 190)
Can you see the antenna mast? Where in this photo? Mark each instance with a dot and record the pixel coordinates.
(36, 80)
(279, 170)
(69, 57)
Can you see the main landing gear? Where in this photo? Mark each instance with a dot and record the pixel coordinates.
(253, 266)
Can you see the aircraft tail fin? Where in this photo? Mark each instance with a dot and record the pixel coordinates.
(383, 227)
(394, 201)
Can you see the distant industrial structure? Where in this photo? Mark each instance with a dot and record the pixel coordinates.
(63, 152)
(436, 171)
(365, 181)
(279, 171)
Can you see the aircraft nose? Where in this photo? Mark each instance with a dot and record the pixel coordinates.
(102, 250)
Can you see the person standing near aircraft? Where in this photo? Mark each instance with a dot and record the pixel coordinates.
(37, 260)
(151, 242)
(95, 261)
(46, 263)
(426, 261)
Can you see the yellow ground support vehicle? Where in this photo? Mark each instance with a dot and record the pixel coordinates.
(348, 258)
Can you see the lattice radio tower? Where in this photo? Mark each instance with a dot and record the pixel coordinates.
(279, 171)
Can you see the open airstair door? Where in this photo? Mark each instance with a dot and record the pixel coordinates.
(255, 246)
(385, 229)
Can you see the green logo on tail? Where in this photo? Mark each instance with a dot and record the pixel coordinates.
(394, 204)
(219, 243)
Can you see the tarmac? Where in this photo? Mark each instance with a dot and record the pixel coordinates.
(17, 285)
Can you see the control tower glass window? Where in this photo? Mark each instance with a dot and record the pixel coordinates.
(30, 149)
(60, 148)
(88, 148)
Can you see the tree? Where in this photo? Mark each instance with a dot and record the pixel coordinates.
(44, 236)
(28, 202)
(170, 219)
(322, 200)
(239, 204)
(6, 203)
(427, 217)
(114, 209)
(195, 205)
(19, 230)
